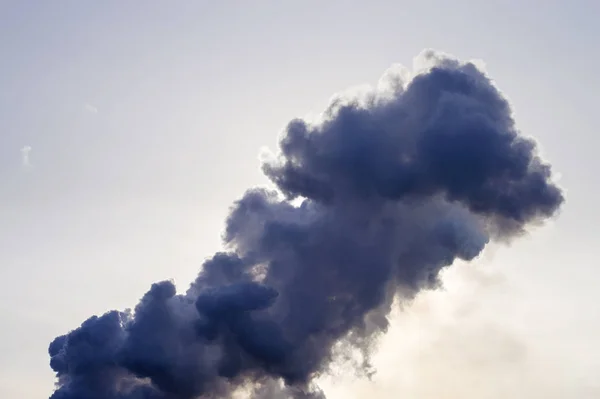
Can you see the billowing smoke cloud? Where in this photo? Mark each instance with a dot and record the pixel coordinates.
(394, 187)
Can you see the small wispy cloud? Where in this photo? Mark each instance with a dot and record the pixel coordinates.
(25, 156)
(90, 108)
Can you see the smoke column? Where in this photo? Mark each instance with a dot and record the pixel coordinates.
(373, 201)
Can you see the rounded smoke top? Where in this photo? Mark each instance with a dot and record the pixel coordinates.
(235, 298)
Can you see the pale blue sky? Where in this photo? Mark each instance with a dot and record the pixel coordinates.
(145, 120)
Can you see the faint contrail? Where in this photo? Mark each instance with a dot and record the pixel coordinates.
(25, 156)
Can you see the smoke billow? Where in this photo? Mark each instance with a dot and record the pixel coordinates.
(393, 187)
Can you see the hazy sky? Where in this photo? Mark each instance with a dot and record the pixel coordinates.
(128, 128)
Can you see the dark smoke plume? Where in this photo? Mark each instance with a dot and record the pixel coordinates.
(394, 187)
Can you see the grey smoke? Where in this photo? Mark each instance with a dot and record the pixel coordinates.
(394, 188)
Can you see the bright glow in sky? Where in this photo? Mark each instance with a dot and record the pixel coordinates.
(128, 128)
